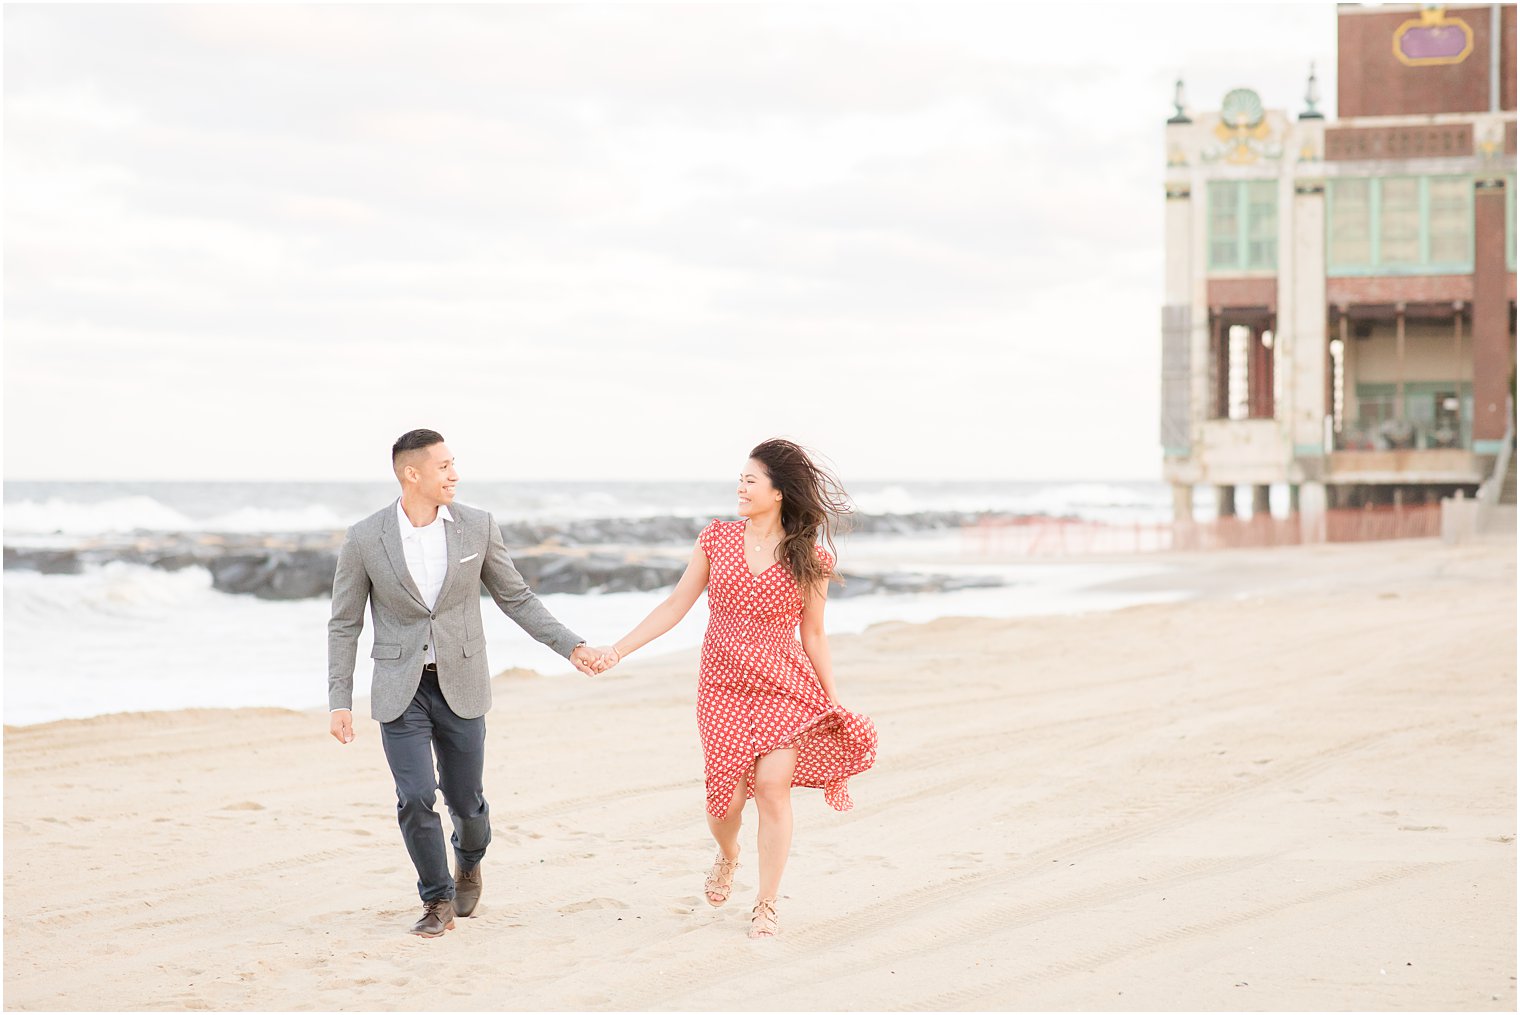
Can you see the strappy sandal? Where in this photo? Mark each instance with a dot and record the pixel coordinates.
(763, 922)
(720, 880)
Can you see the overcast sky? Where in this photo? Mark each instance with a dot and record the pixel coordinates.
(601, 241)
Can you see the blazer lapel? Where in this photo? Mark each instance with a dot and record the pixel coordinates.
(390, 538)
(451, 536)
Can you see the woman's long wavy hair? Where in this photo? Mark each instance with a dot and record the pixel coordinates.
(813, 503)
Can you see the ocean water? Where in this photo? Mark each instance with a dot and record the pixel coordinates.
(125, 637)
(85, 509)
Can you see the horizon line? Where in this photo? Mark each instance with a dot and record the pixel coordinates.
(540, 479)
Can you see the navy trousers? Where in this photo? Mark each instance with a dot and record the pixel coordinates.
(429, 726)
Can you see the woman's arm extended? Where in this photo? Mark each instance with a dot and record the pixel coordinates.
(815, 642)
(669, 613)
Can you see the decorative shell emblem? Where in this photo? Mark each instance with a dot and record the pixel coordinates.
(1241, 109)
(1242, 130)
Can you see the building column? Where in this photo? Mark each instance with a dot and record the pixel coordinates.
(1261, 501)
(1313, 501)
(1182, 502)
(1350, 407)
(1460, 374)
(1224, 497)
(1329, 382)
(1263, 371)
(1490, 311)
(1398, 344)
(1293, 499)
(1301, 336)
(1219, 367)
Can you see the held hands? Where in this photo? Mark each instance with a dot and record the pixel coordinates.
(583, 657)
(593, 661)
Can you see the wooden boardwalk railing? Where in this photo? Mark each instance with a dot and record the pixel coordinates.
(1046, 537)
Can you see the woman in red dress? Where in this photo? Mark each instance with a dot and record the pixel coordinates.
(767, 707)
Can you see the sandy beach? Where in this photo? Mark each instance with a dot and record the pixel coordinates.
(1294, 791)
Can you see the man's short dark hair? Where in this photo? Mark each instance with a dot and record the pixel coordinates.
(414, 440)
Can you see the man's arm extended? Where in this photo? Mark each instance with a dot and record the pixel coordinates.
(350, 595)
(502, 579)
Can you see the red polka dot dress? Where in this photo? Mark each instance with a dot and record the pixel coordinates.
(758, 691)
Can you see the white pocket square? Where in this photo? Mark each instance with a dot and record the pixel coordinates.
(466, 560)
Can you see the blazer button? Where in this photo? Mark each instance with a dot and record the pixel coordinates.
(432, 616)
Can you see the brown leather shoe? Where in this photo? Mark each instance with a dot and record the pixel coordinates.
(437, 917)
(466, 890)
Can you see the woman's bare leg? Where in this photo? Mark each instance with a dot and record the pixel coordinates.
(773, 798)
(725, 830)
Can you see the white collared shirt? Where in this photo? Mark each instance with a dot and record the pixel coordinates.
(427, 558)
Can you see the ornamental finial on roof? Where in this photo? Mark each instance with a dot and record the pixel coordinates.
(1311, 98)
(1179, 100)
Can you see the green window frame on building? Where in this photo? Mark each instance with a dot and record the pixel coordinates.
(1242, 225)
(1399, 225)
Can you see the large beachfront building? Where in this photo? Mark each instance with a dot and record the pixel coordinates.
(1340, 294)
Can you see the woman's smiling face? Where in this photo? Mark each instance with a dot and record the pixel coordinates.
(756, 494)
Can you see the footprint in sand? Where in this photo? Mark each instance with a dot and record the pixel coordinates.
(246, 805)
(1422, 828)
(581, 907)
(966, 861)
(590, 1002)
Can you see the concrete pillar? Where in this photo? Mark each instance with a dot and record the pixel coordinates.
(1182, 502)
(1300, 340)
(1293, 495)
(1219, 368)
(1350, 407)
(1261, 500)
(1224, 497)
(1460, 519)
(1490, 317)
(1261, 374)
(1313, 501)
(1180, 402)
(1398, 345)
(1460, 367)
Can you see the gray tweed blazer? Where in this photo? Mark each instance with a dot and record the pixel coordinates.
(372, 568)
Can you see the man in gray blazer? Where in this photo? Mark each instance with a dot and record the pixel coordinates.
(419, 563)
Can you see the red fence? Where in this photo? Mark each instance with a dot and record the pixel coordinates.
(1041, 537)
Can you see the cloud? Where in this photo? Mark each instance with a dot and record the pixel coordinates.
(656, 232)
